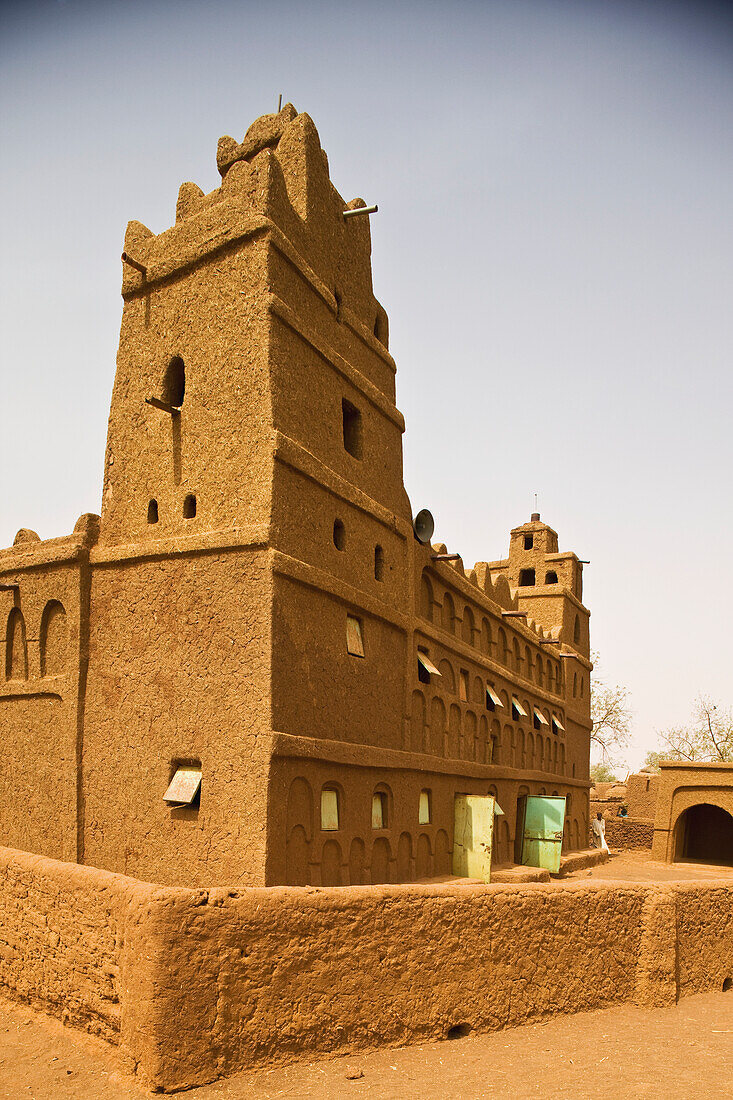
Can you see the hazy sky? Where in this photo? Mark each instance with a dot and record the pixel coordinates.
(554, 248)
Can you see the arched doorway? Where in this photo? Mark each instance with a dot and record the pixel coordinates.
(704, 833)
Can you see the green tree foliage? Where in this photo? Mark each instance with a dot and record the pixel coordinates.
(602, 773)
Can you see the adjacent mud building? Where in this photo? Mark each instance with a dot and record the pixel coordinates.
(251, 628)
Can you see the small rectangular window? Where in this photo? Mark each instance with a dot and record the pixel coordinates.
(463, 686)
(427, 666)
(424, 813)
(183, 787)
(354, 636)
(379, 810)
(518, 710)
(492, 699)
(528, 542)
(329, 810)
(352, 428)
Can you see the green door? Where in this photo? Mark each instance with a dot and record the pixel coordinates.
(472, 837)
(543, 825)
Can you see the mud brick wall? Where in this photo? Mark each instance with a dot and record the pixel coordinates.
(194, 984)
(68, 939)
(628, 835)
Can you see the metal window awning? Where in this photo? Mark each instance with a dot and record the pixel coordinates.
(427, 664)
(183, 787)
(540, 716)
(558, 723)
(493, 696)
(518, 706)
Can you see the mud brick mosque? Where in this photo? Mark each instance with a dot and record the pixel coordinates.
(250, 669)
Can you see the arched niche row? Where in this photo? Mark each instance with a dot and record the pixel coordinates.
(299, 833)
(54, 639)
(331, 874)
(423, 857)
(16, 649)
(404, 858)
(381, 855)
(426, 597)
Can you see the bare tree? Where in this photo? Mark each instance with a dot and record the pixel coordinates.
(611, 715)
(708, 736)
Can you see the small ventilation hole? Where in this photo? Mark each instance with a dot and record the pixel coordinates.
(459, 1031)
(339, 535)
(727, 984)
(153, 511)
(189, 506)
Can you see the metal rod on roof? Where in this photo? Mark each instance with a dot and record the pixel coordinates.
(514, 614)
(547, 641)
(162, 405)
(361, 210)
(126, 259)
(279, 103)
(583, 561)
(444, 557)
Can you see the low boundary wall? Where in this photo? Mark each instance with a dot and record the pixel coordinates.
(195, 984)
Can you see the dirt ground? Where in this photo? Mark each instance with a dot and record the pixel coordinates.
(637, 867)
(676, 1053)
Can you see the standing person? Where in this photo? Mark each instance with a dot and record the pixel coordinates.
(599, 832)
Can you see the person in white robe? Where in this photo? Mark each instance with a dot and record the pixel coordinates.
(599, 832)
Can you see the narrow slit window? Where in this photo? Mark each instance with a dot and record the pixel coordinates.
(184, 788)
(329, 810)
(379, 810)
(528, 542)
(378, 563)
(354, 636)
(339, 535)
(189, 506)
(352, 428)
(425, 667)
(424, 812)
(152, 511)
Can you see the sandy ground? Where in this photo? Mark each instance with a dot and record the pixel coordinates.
(677, 1053)
(637, 867)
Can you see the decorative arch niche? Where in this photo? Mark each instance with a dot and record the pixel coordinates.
(54, 639)
(16, 650)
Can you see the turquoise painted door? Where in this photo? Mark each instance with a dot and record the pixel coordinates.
(472, 836)
(543, 825)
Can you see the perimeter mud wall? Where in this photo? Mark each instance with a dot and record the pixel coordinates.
(194, 984)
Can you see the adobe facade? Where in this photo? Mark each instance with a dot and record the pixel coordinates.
(694, 813)
(253, 602)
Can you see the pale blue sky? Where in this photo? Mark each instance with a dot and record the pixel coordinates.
(553, 248)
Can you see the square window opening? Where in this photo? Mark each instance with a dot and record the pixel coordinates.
(184, 786)
(528, 542)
